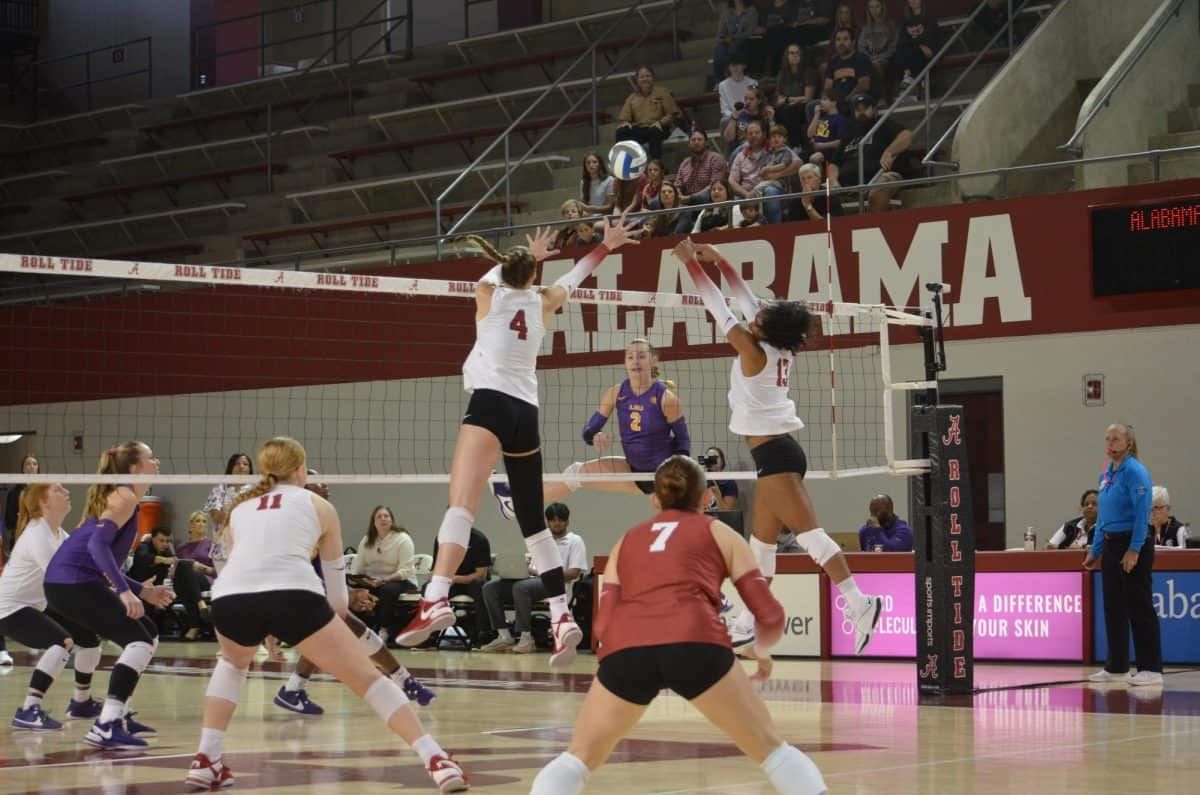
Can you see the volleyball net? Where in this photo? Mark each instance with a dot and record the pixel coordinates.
(364, 368)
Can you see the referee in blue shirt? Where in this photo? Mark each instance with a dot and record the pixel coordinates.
(1126, 559)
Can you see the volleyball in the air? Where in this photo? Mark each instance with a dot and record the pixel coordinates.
(626, 160)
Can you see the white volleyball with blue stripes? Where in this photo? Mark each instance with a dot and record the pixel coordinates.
(626, 160)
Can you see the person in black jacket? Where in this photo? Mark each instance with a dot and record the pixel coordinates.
(916, 42)
(1077, 533)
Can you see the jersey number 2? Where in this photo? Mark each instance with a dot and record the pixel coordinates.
(518, 324)
(781, 372)
(269, 502)
(664, 530)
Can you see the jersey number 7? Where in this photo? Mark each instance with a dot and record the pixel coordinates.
(664, 530)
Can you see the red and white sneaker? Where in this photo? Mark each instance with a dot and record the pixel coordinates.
(429, 618)
(566, 635)
(448, 774)
(208, 774)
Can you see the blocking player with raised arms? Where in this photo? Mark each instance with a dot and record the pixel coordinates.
(650, 421)
(502, 418)
(763, 413)
(658, 628)
(269, 587)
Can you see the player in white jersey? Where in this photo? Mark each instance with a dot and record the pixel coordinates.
(269, 587)
(24, 614)
(502, 418)
(764, 414)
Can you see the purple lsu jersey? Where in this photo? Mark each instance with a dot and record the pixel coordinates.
(645, 432)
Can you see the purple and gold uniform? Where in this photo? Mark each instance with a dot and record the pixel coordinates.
(646, 435)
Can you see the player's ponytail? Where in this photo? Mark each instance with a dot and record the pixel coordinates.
(679, 484)
(117, 460)
(517, 267)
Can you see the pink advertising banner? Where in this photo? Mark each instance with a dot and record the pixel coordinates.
(1018, 616)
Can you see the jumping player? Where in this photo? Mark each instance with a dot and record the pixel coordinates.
(658, 628)
(293, 695)
(84, 584)
(651, 423)
(268, 587)
(502, 417)
(23, 613)
(763, 413)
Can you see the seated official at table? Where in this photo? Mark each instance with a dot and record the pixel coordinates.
(884, 529)
(1165, 529)
(1077, 533)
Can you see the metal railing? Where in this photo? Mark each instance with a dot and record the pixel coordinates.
(87, 69)
(923, 78)
(1101, 102)
(370, 254)
(204, 63)
(589, 55)
(1007, 28)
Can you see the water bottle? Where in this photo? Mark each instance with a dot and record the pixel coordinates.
(1030, 539)
(169, 580)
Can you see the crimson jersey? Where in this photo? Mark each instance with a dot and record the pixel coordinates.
(671, 571)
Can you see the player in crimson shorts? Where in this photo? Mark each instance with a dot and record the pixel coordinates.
(658, 628)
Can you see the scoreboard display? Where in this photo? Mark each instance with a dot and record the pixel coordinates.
(1146, 247)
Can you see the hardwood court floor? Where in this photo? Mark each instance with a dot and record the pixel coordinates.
(1037, 729)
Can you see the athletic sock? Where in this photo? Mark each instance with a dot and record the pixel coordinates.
(565, 775)
(854, 597)
(32, 699)
(82, 693)
(792, 772)
(438, 588)
(558, 607)
(211, 742)
(427, 748)
(113, 710)
(296, 682)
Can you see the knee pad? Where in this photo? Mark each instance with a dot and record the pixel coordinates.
(820, 547)
(226, 682)
(370, 641)
(764, 556)
(573, 482)
(53, 661)
(137, 656)
(86, 659)
(385, 697)
(456, 527)
(525, 483)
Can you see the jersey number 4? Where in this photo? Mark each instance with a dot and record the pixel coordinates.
(664, 530)
(269, 502)
(518, 325)
(781, 372)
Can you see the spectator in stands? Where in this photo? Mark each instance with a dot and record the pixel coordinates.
(884, 151)
(198, 547)
(696, 174)
(1166, 530)
(879, 199)
(523, 593)
(595, 186)
(627, 193)
(751, 215)
(813, 208)
(571, 210)
(746, 170)
(849, 71)
(812, 22)
(470, 576)
(755, 108)
(777, 25)
(648, 114)
(222, 494)
(664, 224)
(775, 178)
(734, 29)
(655, 171)
(1077, 533)
(717, 217)
(795, 86)
(732, 90)
(12, 504)
(722, 494)
(843, 17)
(884, 530)
(877, 41)
(916, 42)
(384, 565)
(153, 559)
(827, 135)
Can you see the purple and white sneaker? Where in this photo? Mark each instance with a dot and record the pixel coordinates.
(297, 701)
(35, 719)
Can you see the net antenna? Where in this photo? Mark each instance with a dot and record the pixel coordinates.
(387, 414)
